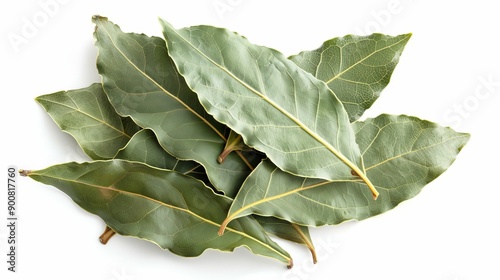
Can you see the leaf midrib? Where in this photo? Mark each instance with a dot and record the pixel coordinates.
(413, 151)
(318, 138)
(161, 203)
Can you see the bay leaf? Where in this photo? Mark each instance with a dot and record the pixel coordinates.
(402, 154)
(276, 107)
(142, 82)
(87, 115)
(174, 211)
(355, 68)
(144, 147)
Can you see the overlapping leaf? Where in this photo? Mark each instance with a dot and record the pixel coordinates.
(274, 105)
(401, 154)
(143, 147)
(87, 115)
(356, 68)
(142, 82)
(174, 211)
(296, 110)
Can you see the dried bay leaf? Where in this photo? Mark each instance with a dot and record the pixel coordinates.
(142, 82)
(144, 148)
(274, 105)
(172, 210)
(87, 115)
(355, 68)
(402, 154)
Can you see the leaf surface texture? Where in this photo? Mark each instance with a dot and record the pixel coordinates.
(274, 105)
(87, 115)
(174, 211)
(141, 82)
(355, 68)
(402, 154)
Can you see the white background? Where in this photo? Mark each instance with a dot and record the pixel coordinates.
(449, 232)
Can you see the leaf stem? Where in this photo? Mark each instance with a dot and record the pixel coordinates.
(106, 235)
(307, 242)
(230, 147)
(223, 226)
(24, 173)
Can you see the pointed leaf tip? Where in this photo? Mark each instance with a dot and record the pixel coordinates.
(343, 63)
(88, 116)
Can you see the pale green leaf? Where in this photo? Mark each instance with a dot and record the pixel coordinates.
(402, 154)
(274, 105)
(355, 68)
(142, 82)
(87, 115)
(144, 147)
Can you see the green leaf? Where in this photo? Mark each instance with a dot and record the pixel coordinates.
(402, 154)
(288, 231)
(274, 105)
(87, 115)
(144, 147)
(142, 82)
(174, 211)
(355, 68)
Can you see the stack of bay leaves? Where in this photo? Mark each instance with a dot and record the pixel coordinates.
(204, 140)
